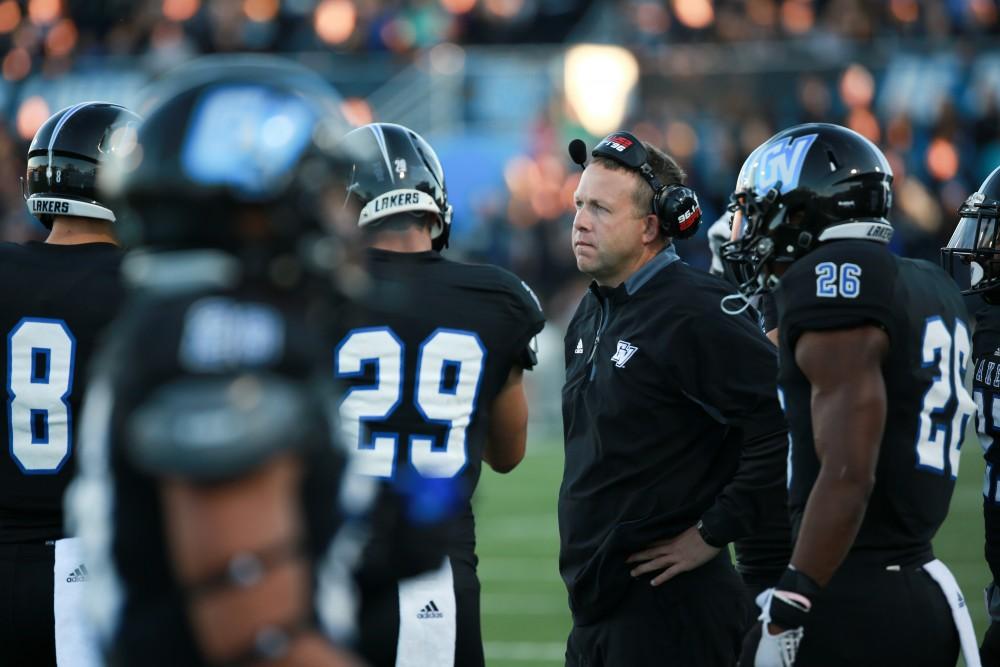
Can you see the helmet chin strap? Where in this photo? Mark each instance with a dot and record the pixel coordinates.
(737, 310)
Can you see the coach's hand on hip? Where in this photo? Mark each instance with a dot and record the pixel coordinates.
(675, 555)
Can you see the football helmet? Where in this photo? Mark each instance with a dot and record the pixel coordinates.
(976, 240)
(396, 171)
(236, 154)
(63, 160)
(804, 186)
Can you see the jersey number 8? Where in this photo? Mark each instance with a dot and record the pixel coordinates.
(451, 404)
(40, 358)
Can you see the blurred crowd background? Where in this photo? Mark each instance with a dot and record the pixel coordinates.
(501, 86)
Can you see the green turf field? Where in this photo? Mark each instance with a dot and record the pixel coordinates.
(525, 620)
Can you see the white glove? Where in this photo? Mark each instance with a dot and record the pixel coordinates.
(777, 650)
(718, 234)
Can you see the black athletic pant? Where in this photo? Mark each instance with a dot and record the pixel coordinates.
(869, 616)
(380, 621)
(696, 619)
(27, 619)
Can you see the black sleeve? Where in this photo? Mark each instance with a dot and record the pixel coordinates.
(730, 369)
(986, 340)
(746, 501)
(842, 285)
(530, 322)
(991, 515)
(768, 312)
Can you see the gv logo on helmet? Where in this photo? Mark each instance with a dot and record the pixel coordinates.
(783, 162)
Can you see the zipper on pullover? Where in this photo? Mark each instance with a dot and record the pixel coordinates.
(605, 316)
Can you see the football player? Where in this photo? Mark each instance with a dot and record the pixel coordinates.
(210, 500)
(57, 298)
(432, 362)
(873, 352)
(973, 250)
(762, 556)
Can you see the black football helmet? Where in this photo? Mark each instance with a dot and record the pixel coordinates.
(976, 240)
(396, 171)
(236, 154)
(805, 186)
(64, 155)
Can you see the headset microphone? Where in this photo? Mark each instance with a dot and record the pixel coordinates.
(578, 152)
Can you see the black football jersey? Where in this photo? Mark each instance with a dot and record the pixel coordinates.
(421, 360)
(159, 342)
(854, 283)
(57, 300)
(986, 392)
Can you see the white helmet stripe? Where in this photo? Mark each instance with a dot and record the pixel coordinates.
(380, 140)
(55, 133)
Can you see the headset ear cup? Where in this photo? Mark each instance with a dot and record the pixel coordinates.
(679, 211)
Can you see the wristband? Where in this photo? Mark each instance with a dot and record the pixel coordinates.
(707, 536)
(793, 597)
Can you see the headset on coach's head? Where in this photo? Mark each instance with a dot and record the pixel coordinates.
(675, 205)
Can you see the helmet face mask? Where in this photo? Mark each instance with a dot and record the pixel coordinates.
(972, 255)
(807, 185)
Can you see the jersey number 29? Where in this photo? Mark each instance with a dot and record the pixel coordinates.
(447, 354)
(40, 357)
(938, 441)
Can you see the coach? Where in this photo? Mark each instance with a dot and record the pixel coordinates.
(675, 442)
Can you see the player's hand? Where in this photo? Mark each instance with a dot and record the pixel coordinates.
(673, 556)
(783, 613)
(718, 234)
(989, 651)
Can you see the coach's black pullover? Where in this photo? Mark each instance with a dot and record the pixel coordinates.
(670, 415)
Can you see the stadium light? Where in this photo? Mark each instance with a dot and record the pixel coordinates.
(10, 16)
(695, 14)
(598, 81)
(335, 20)
(458, 6)
(16, 64)
(43, 12)
(33, 112)
(260, 11)
(180, 10)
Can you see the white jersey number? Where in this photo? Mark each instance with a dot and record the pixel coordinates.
(40, 358)
(449, 371)
(938, 443)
